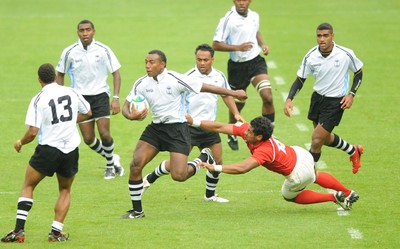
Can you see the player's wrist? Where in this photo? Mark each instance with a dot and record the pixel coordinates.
(196, 122)
(217, 168)
(115, 97)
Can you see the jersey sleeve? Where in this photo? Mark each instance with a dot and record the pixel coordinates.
(33, 115)
(304, 69)
(356, 63)
(112, 61)
(222, 32)
(239, 129)
(62, 63)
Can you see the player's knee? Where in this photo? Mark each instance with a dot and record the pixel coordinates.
(178, 177)
(238, 101)
(263, 84)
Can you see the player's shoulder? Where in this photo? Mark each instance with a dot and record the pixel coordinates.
(231, 12)
(142, 79)
(191, 72)
(175, 75)
(341, 48)
(312, 51)
(218, 73)
(100, 45)
(253, 13)
(71, 47)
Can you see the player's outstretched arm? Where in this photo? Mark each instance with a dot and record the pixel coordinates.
(236, 168)
(239, 94)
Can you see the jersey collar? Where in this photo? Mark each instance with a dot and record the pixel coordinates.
(205, 75)
(88, 47)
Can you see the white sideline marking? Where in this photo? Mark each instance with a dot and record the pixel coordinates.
(302, 127)
(272, 65)
(279, 80)
(284, 96)
(341, 212)
(7, 193)
(256, 191)
(355, 233)
(296, 111)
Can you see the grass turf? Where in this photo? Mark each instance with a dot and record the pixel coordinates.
(257, 217)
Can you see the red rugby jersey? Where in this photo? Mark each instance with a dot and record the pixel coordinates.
(272, 154)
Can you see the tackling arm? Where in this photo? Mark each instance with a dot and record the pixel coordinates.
(236, 168)
(239, 94)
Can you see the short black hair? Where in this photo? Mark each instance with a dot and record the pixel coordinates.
(325, 26)
(160, 53)
(85, 21)
(46, 73)
(205, 47)
(262, 126)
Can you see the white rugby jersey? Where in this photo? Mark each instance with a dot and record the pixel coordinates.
(203, 106)
(167, 96)
(54, 111)
(331, 74)
(88, 69)
(234, 29)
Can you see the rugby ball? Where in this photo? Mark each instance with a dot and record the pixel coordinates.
(139, 102)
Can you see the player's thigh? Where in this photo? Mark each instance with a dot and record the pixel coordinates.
(32, 179)
(87, 130)
(302, 175)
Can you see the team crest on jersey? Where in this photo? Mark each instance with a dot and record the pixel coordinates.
(169, 90)
(337, 63)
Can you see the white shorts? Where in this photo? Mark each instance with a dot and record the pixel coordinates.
(302, 175)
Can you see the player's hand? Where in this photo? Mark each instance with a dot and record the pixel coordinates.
(240, 94)
(115, 107)
(189, 119)
(138, 115)
(18, 146)
(210, 167)
(347, 102)
(265, 49)
(288, 109)
(245, 46)
(239, 118)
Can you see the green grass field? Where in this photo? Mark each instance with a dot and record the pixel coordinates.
(35, 32)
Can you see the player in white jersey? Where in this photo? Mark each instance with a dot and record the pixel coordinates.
(52, 114)
(167, 95)
(238, 33)
(330, 64)
(88, 63)
(204, 106)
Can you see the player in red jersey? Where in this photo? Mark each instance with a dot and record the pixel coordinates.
(294, 163)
